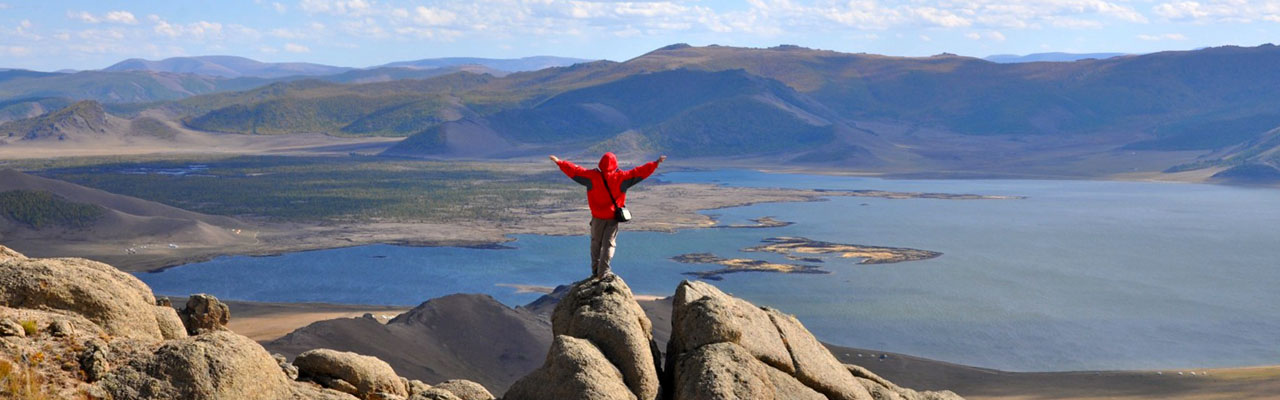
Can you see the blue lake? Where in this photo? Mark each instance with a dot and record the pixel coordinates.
(1079, 275)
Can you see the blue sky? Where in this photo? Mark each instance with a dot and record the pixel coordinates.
(91, 34)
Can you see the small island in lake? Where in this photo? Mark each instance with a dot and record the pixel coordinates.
(884, 194)
(732, 265)
(791, 246)
(763, 222)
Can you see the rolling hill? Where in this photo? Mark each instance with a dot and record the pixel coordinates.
(226, 67)
(43, 215)
(81, 120)
(500, 64)
(30, 107)
(120, 87)
(1048, 57)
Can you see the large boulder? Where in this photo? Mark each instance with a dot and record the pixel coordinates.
(604, 312)
(465, 389)
(724, 347)
(118, 302)
(574, 369)
(703, 314)
(219, 365)
(363, 376)
(169, 322)
(435, 394)
(815, 365)
(729, 371)
(204, 313)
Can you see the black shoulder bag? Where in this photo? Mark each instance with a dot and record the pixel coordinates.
(620, 213)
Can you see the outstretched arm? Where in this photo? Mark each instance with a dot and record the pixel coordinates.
(637, 174)
(573, 171)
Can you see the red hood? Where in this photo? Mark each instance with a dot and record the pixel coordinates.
(608, 162)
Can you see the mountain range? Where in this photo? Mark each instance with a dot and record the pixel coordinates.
(138, 80)
(237, 67)
(1164, 111)
(1048, 57)
(226, 67)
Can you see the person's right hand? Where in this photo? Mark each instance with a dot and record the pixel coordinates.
(554, 159)
(661, 159)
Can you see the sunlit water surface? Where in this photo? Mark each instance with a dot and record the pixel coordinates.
(1079, 275)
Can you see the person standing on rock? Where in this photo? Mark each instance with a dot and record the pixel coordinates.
(607, 196)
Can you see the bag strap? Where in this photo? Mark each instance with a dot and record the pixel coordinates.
(605, 179)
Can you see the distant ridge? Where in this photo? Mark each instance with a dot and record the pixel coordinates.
(1049, 57)
(509, 65)
(226, 67)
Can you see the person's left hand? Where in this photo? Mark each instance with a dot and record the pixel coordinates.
(555, 159)
(661, 159)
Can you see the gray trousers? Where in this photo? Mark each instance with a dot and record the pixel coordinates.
(604, 237)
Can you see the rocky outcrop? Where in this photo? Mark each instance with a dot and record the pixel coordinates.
(604, 313)
(882, 389)
(118, 302)
(89, 329)
(218, 365)
(204, 313)
(169, 322)
(465, 390)
(727, 371)
(7, 254)
(579, 371)
(365, 377)
(720, 347)
(724, 347)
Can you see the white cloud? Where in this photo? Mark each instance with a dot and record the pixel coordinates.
(1180, 10)
(118, 17)
(296, 48)
(943, 18)
(431, 16)
(268, 50)
(194, 30)
(336, 7)
(83, 16)
(994, 36)
(1167, 36)
(286, 33)
(100, 34)
(1219, 11)
(4, 6)
(280, 8)
(15, 51)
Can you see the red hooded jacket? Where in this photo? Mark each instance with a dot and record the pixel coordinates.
(619, 182)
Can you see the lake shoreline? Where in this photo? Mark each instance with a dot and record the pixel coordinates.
(667, 207)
